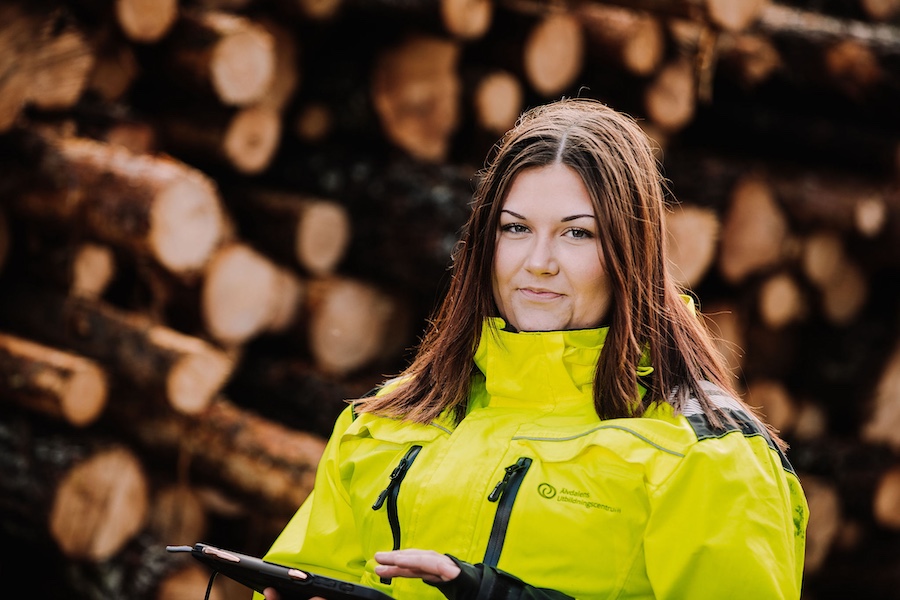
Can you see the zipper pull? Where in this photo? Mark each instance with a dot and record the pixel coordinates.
(510, 471)
(396, 475)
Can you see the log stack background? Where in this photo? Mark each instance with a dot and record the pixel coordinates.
(221, 218)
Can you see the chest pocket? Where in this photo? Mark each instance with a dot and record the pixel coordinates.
(579, 516)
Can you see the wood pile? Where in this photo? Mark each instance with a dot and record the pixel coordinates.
(219, 219)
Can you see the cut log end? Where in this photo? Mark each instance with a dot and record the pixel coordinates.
(243, 66)
(415, 90)
(781, 301)
(323, 235)
(734, 15)
(85, 396)
(252, 138)
(146, 21)
(313, 122)
(319, 10)
(100, 505)
(554, 53)
(186, 224)
(886, 504)
(243, 295)
(467, 19)
(670, 99)
(177, 513)
(4, 239)
(693, 236)
(93, 268)
(352, 323)
(755, 230)
(498, 101)
(196, 379)
(774, 401)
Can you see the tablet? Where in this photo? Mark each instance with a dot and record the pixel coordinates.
(291, 583)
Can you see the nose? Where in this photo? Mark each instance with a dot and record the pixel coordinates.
(541, 259)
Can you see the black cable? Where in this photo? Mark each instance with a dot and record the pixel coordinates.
(209, 586)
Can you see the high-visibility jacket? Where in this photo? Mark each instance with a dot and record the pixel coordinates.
(532, 483)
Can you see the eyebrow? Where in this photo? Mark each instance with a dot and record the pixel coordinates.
(563, 220)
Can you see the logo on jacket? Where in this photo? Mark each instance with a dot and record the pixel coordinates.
(573, 497)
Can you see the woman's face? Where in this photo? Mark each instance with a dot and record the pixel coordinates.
(548, 267)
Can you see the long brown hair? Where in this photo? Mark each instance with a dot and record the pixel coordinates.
(616, 161)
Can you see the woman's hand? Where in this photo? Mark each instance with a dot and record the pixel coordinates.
(428, 565)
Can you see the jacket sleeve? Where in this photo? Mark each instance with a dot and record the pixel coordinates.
(479, 582)
(321, 536)
(729, 522)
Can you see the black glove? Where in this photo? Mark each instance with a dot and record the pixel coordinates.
(479, 582)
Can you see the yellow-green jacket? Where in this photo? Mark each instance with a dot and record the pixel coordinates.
(533, 483)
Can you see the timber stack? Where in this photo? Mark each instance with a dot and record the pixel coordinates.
(220, 219)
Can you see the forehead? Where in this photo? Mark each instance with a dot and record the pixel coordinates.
(552, 189)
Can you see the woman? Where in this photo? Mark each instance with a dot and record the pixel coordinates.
(566, 428)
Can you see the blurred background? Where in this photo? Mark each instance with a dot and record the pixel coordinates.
(219, 219)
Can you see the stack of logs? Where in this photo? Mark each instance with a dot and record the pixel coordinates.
(220, 219)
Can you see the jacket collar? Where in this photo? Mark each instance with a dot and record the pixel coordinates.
(540, 369)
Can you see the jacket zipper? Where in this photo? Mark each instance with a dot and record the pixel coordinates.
(392, 492)
(504, 493)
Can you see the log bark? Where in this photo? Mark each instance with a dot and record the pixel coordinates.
(415, 90)
(78, 268)
(630, 39)
(186, 372)
(291, 390)
(177, 514)
(153, 206)
(115, 68)
(85, 495)
(56, 383)
(245, 294)
(258, 459)
(849, 56)
(295, 229)
(729, 15)
(287, 72)
(244, 138)
(841, 200)
(45, 58)
(750, 59)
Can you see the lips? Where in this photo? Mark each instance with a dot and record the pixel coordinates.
(539, 294)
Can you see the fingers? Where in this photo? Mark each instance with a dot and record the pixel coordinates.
(424, 564)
